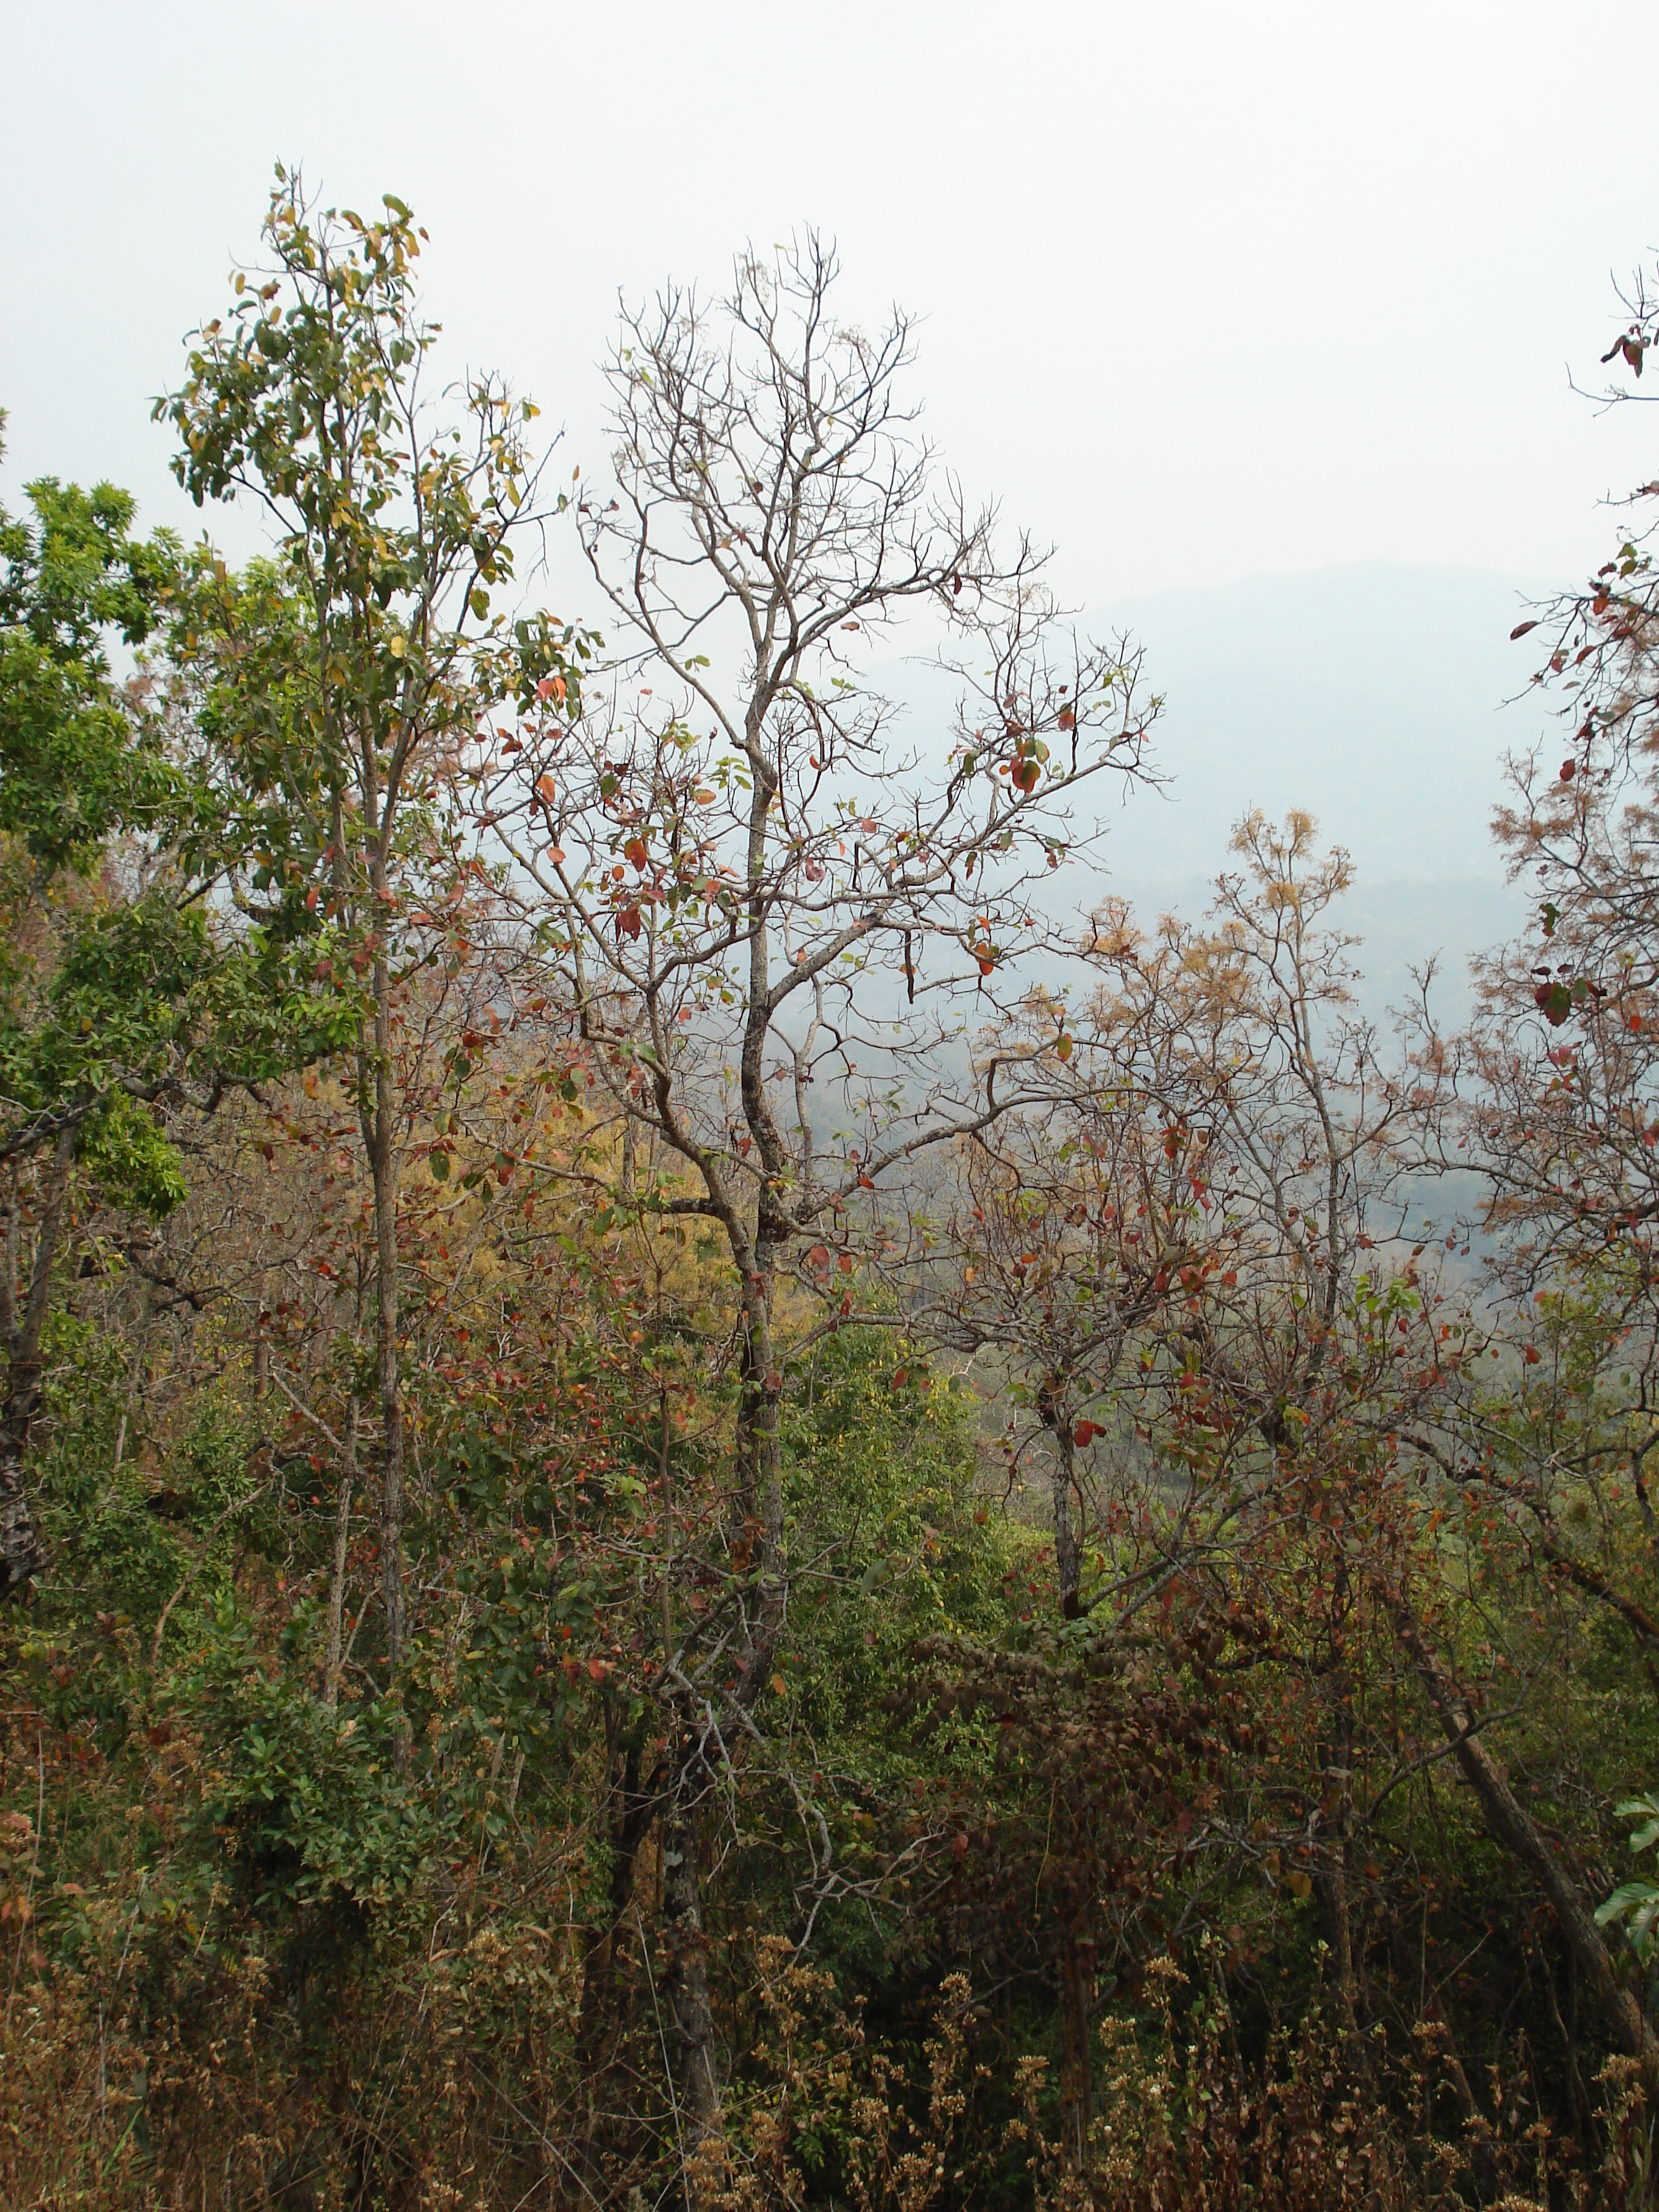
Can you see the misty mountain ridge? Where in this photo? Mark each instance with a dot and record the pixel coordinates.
(1379, 698)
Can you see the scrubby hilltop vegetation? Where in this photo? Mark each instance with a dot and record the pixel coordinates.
(696, 1511)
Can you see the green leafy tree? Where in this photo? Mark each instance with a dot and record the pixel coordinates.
(119, 994)
(344, 683)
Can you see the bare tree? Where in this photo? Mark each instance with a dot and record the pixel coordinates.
(771, 922)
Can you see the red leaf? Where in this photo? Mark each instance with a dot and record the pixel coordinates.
(1521, 629)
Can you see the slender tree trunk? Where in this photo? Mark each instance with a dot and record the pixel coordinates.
(755, 1534)
(690, 2003)
(1519, 1834)
(1076, 2069)
(332, 1661)
(1336, 1815)
(1069, 1553)
(631, 1813)
(1076, 1974)
(384, 1170)
(22, 1553)
(1337, 1763)
(380, 1143)
(755, 1542)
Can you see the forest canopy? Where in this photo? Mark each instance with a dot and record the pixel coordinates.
(713, 1489)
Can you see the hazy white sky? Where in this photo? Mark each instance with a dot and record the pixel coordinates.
(1210, 291)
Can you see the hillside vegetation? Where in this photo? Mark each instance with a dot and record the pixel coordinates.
(714, 1491)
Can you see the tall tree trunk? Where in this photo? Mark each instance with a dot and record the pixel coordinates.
(1338, 1820)
(333, 1660)
(1077, 1951)
(380, 1143)
(689, 2001)
(23, 1319)
(757, 1564)
(1514, 1829)
(631, 1811)
(385, 1172)
(1076, 2069)
(1336, 1816)
(1068, 1551)
(755, 1546)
